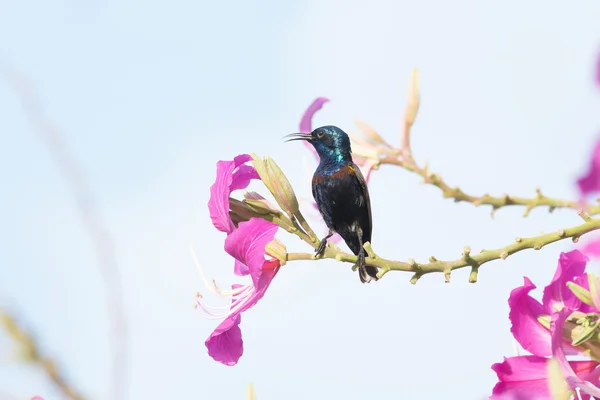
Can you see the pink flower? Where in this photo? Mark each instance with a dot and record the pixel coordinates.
(525, 310)
(527, 375)
(246, 244)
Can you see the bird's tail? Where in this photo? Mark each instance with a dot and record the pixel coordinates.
(367, 273)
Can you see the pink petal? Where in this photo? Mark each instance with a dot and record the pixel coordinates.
(523, 377)
(526, 377)
(590, 182)
(231, 175)
(225, 344)
(524, 311)
(558, 352)
(306, 121)
(240, 269)
(247, 245)
(591, 247)
(557, 294)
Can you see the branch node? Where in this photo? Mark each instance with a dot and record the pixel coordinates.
(369, 250)
(473, 274)
(583, 214)
(412, 263)
(518, 239)
(415, 278)
(504, 255)
(539, 194)
(538, 246)
(432, 259)
(562, 233)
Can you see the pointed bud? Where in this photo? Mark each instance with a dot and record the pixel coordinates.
(584, 334)
(259, 207)
(276, 249)
(370, 132)
(580, 292)
(256, 196)
(277, 183)
(414, 98)
(239, 212)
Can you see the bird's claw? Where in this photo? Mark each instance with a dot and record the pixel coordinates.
(321, 249)
(360, 262)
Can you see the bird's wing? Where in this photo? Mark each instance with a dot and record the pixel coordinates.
(363, 190)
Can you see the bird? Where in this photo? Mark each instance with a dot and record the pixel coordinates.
(341, 194)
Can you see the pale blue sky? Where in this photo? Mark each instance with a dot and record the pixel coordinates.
(150, 95)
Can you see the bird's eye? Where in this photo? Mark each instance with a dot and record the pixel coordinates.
(320, 134)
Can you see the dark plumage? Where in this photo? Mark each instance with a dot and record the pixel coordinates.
(341, 193)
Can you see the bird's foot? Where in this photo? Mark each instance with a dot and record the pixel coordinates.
(321, 249)
(360, 262)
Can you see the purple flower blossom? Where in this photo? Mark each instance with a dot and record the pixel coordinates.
(527, 375)
(246, 244)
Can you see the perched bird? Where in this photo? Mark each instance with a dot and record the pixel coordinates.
(341, 193)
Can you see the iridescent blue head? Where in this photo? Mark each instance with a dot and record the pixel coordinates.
(331, 143)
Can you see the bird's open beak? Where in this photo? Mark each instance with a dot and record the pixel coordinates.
(298, 136)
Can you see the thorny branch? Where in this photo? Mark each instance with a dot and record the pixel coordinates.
(467, 259)
(33, 354)
(380, 152)
(92, 223)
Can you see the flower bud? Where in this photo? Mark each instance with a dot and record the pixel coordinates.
(414, 98)
(580, 292)
(277, 183)
(259, 204)
(370, 132)
(276, 249)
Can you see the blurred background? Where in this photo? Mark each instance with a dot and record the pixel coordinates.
(148, 96)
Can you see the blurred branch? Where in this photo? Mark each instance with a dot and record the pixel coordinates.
(33, 354)
(92, 223)
(380, 152)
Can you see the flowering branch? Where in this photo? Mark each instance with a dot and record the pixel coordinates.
(467, 259)
(282, 191)
(375, 148)
(33, 353)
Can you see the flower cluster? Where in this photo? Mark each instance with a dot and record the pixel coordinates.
(246, 241)
(565, 323)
